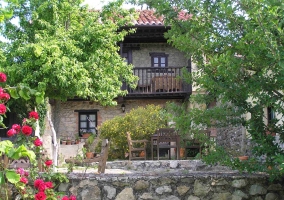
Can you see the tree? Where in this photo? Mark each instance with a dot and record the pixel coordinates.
(238, 48)
(65, 50)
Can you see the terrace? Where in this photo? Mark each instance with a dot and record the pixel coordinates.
(159, 83)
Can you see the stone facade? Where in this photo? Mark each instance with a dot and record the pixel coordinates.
(142, 58)
(176, 183)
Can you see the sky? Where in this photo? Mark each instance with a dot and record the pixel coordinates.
(97, 4)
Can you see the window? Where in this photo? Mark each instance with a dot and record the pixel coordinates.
(159, 59)
(270, 114)
(88, 121)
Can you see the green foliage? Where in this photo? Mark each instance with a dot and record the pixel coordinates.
(63, 50)
(7, 148)
(238, 48)
(141, 122)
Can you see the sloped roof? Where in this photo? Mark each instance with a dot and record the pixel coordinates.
(148, 18)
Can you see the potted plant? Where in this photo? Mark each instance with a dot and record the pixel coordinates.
(63, 141)
(85, 133)
(68, 141)
(77, 140)
(89, 146)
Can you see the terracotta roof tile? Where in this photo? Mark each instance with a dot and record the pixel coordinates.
(148, 18)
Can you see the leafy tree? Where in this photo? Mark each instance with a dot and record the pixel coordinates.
(64, 50)
(141, 122)
(238, 48)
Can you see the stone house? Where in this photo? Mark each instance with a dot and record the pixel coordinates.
(158, 66)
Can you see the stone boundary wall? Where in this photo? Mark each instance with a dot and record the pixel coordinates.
(171, 180)
(173, 186)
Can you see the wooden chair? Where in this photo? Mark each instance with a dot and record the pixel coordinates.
(195, 144)
(168, 138)
(134, 148)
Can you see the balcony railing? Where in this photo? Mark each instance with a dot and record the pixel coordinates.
(159, 82)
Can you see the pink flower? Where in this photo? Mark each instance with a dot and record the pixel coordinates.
(72, 197)
(48, 185)
(3, 77)
(11, 132)
(40, 196)
(17, 127)
(1, 90)
(4, 96)
(37, 142)
(24, 180)
(48, 163)
(65, 198)
(20, 171)
(26, 174)
(2, 109)
(27, 130)
(37, 182)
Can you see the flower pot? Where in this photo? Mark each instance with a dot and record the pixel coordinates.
(182, 152)
(68, 142)
(241, 158)
(142, 154)
(63, 142)
(77, 141)
(86, 135)
(270, 133)
(89, 155)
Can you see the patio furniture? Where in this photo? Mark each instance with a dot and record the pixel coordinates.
(165, 138)
(136, 147)
(195, 144)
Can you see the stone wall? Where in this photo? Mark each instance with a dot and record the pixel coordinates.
(142, 58)
(174, 183)
(234, 140)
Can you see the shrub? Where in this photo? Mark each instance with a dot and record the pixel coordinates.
(141, 123)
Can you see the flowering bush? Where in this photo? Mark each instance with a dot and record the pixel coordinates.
(29, 184)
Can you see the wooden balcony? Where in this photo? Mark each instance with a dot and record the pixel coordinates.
(159, 83)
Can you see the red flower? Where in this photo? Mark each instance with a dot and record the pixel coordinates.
(34, 115)
(26, 174)
(3, 77)
(48, 185)
(48, 163)
(11, 132)
(40, 196)
(65, 198)
(42, 187)
(37, 142)
(4, 96)
(37, 182)
(1, 90)
(72, 197)
(24, 180)
(2, 109)
(27, 130)
(17, 127)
